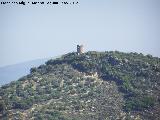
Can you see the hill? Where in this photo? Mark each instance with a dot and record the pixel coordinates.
(13, 72)
(90, 86)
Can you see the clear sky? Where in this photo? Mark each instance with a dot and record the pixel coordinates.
(40, 31)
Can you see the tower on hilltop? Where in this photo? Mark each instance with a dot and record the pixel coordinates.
(80, 49)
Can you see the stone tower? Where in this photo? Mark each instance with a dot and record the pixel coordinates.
(80, 49)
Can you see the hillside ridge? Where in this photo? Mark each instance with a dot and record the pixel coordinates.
(89, 86)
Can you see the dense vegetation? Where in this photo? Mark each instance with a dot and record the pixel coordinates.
(90, 86)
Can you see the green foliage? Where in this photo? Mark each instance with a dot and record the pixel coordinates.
(83, 86)
(34, 69)
(22, 104)
(139, 104)
(55, 95)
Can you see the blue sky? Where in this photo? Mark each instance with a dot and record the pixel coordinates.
(40, 31)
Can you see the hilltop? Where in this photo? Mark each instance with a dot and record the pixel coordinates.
(90, 86)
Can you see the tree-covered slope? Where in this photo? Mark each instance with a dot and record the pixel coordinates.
(90, 86)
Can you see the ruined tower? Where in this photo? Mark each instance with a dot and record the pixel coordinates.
(80, 49)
